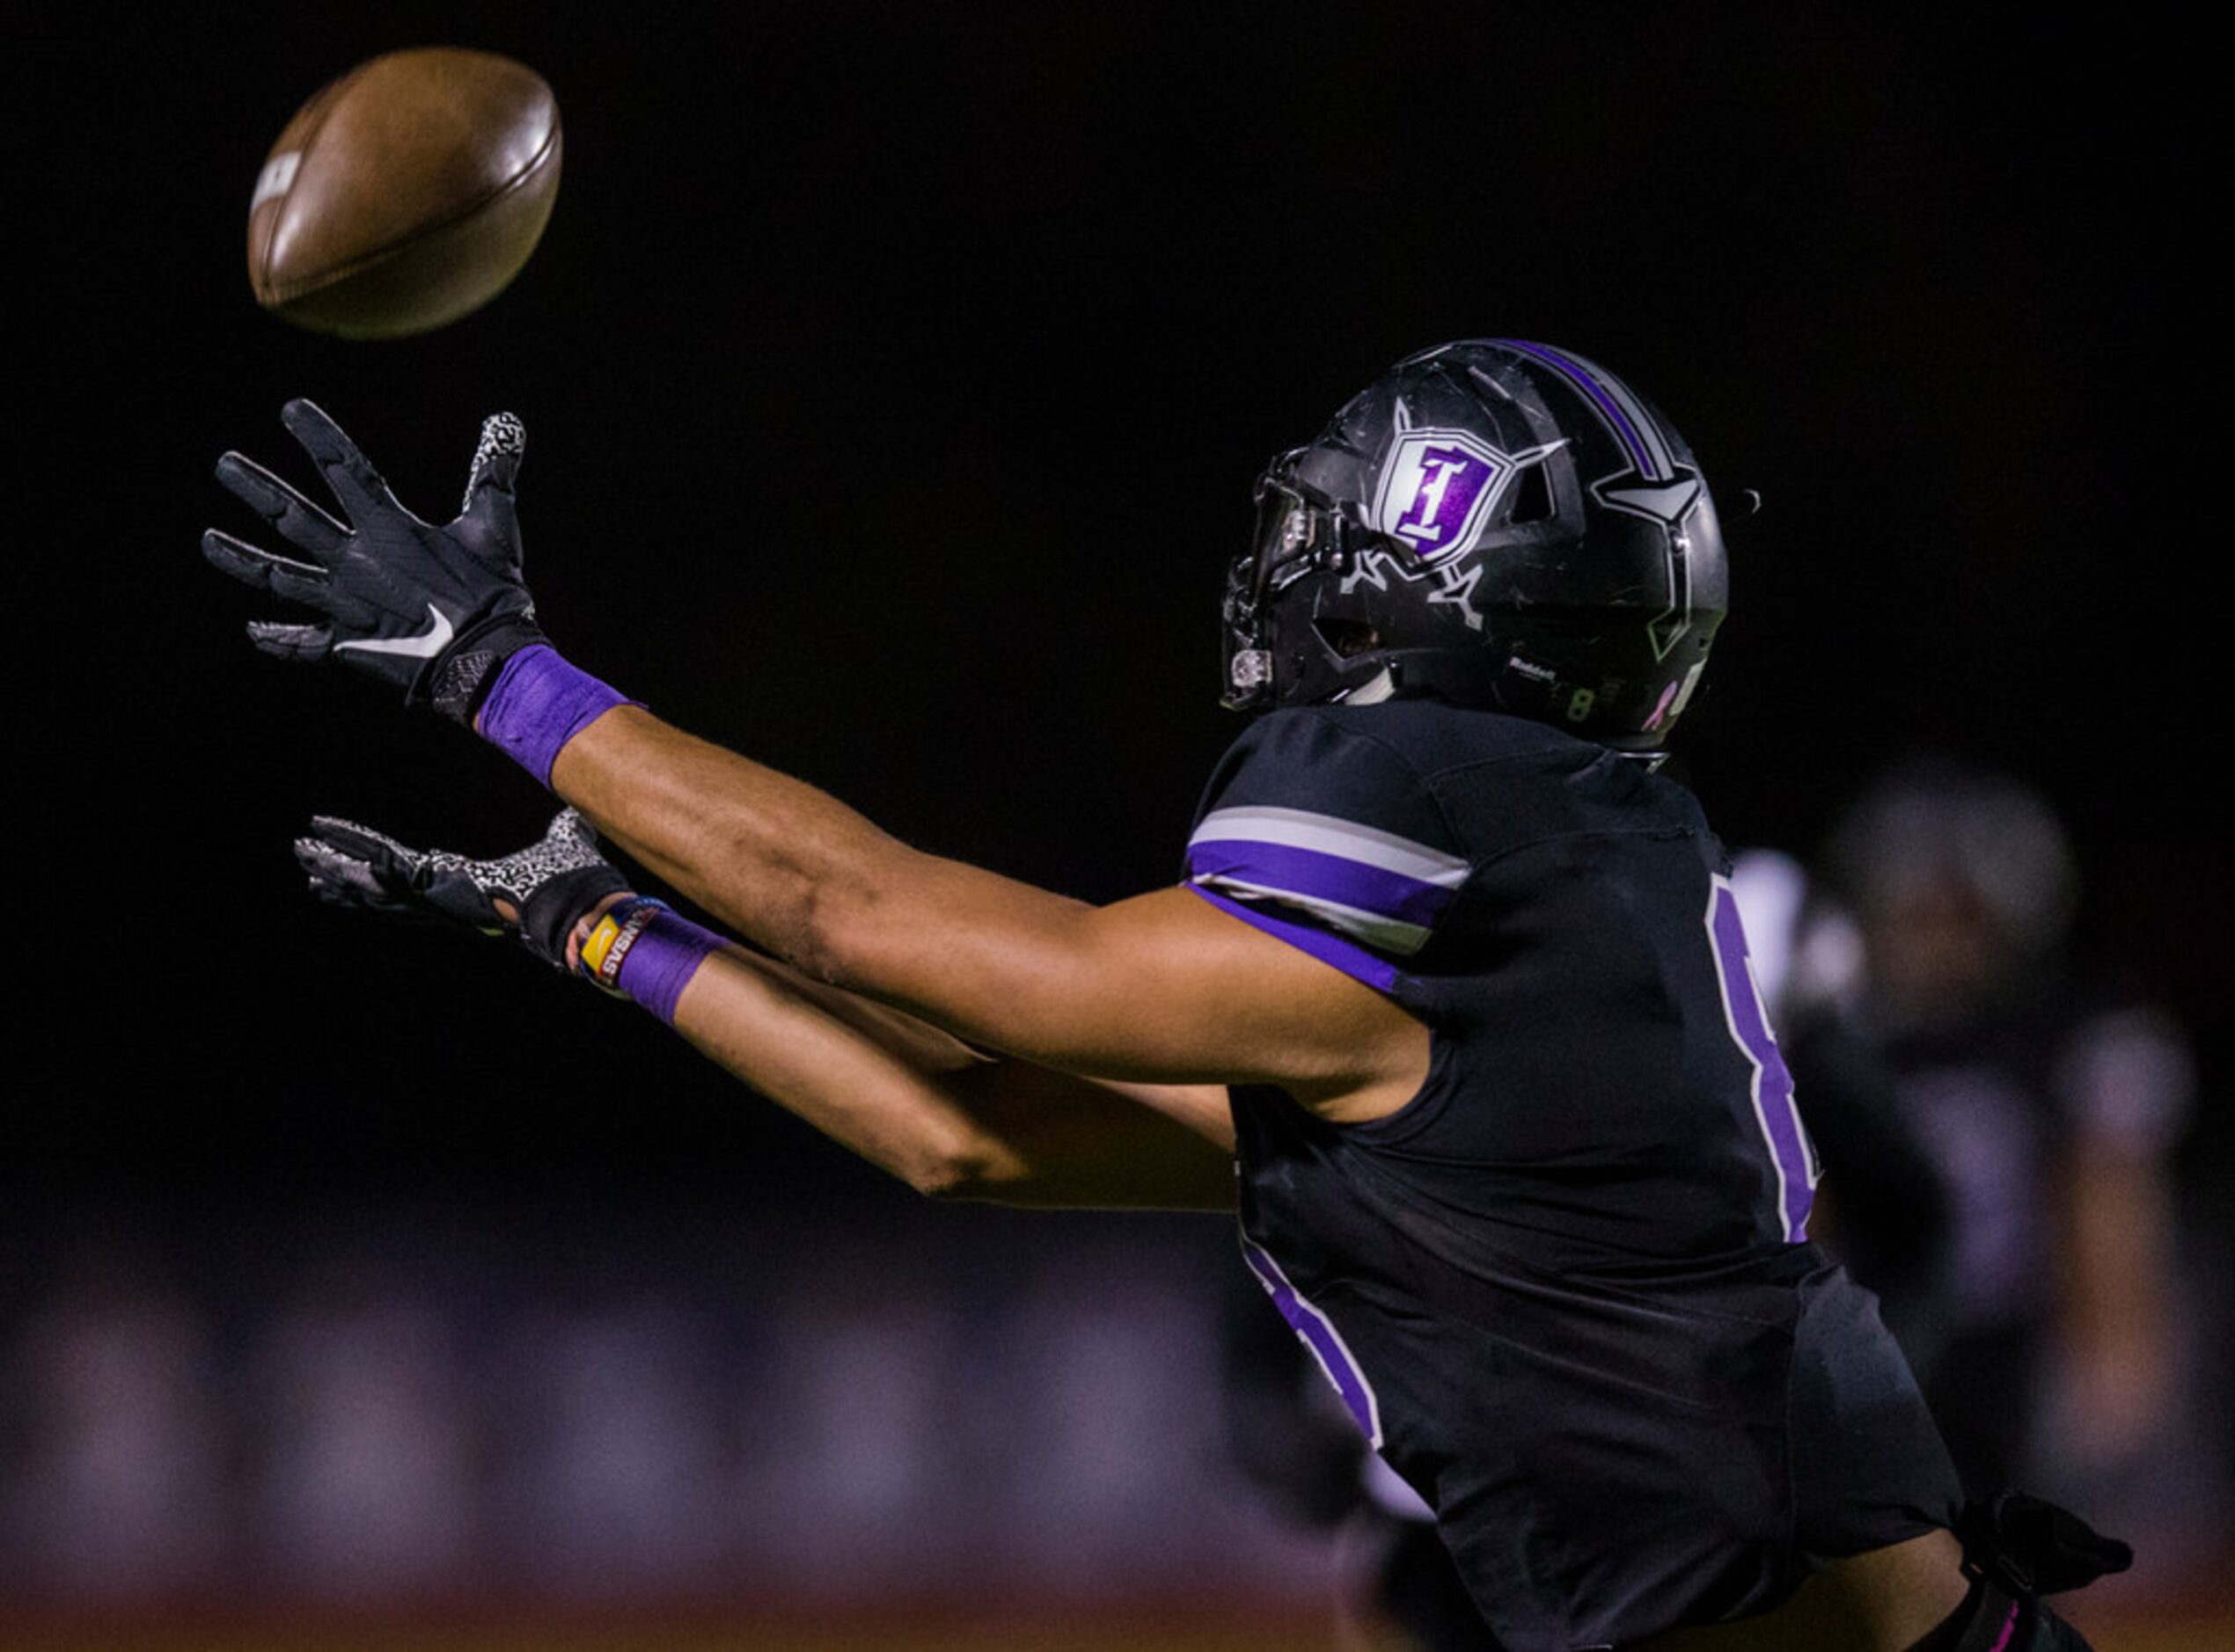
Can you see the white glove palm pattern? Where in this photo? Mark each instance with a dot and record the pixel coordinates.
(548, 885)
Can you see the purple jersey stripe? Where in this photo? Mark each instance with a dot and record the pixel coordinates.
(1347, 956)
(1325, 1342)
(1308, 874)
(1780, 1120)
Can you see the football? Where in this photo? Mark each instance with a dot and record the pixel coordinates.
(405, 194)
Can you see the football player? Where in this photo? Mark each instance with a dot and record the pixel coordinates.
(1452, 976)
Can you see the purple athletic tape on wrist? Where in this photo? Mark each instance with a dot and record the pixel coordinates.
(662, 960)
(538, 704)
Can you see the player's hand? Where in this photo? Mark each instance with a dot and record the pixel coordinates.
(432, 611)
(537, 893)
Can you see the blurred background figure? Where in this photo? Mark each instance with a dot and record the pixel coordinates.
(611, 1479)
(113, 1461)
(362, 1459)
(2014, 1205)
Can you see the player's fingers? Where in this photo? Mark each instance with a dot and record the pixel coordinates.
(291, 642)
(327, 866)
(295, 581)
(494, 481)
(360, 842)
(335, 876)
(347, 469)
(303, 523)
(298, 581)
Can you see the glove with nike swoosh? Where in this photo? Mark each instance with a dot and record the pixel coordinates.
(436, 611)
(549, 886)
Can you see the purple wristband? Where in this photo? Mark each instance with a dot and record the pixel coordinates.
(662, 960)
(538, 704)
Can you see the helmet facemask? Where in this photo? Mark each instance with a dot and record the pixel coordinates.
(1300, 534)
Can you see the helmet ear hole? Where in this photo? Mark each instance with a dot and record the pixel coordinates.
(1347, 638)
(1532, 497)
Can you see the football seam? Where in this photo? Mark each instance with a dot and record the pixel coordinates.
(283, 293)
(321, 110)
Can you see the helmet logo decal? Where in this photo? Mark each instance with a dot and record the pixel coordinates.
(1443, 484)
(1439, 485)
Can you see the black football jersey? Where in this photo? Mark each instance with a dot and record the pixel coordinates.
(1567, 1289)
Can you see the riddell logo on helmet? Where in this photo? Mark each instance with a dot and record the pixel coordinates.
(1437, 488)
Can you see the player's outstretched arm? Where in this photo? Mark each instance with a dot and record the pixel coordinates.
(969, 1127)
(912, 1099)
(1163, 989)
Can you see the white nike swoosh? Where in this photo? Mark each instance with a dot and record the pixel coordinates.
(425, 645)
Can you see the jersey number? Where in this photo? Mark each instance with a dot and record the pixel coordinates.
(1792, 1156)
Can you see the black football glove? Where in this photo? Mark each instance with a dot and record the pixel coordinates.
(549, 884)
(432, 611)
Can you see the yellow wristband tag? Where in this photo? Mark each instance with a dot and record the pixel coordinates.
(599, 943)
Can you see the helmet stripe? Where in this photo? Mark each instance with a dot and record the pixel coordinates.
(1618, 407)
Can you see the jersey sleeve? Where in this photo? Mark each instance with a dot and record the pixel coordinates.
(1326, 839)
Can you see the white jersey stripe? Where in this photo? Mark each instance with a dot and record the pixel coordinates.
(1331, 835)
(1385, 934)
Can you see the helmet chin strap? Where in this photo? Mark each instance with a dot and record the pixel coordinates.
(1380, 686)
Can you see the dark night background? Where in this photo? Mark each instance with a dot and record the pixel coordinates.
(894, 381)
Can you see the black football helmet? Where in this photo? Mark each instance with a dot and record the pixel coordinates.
(1497, 523)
